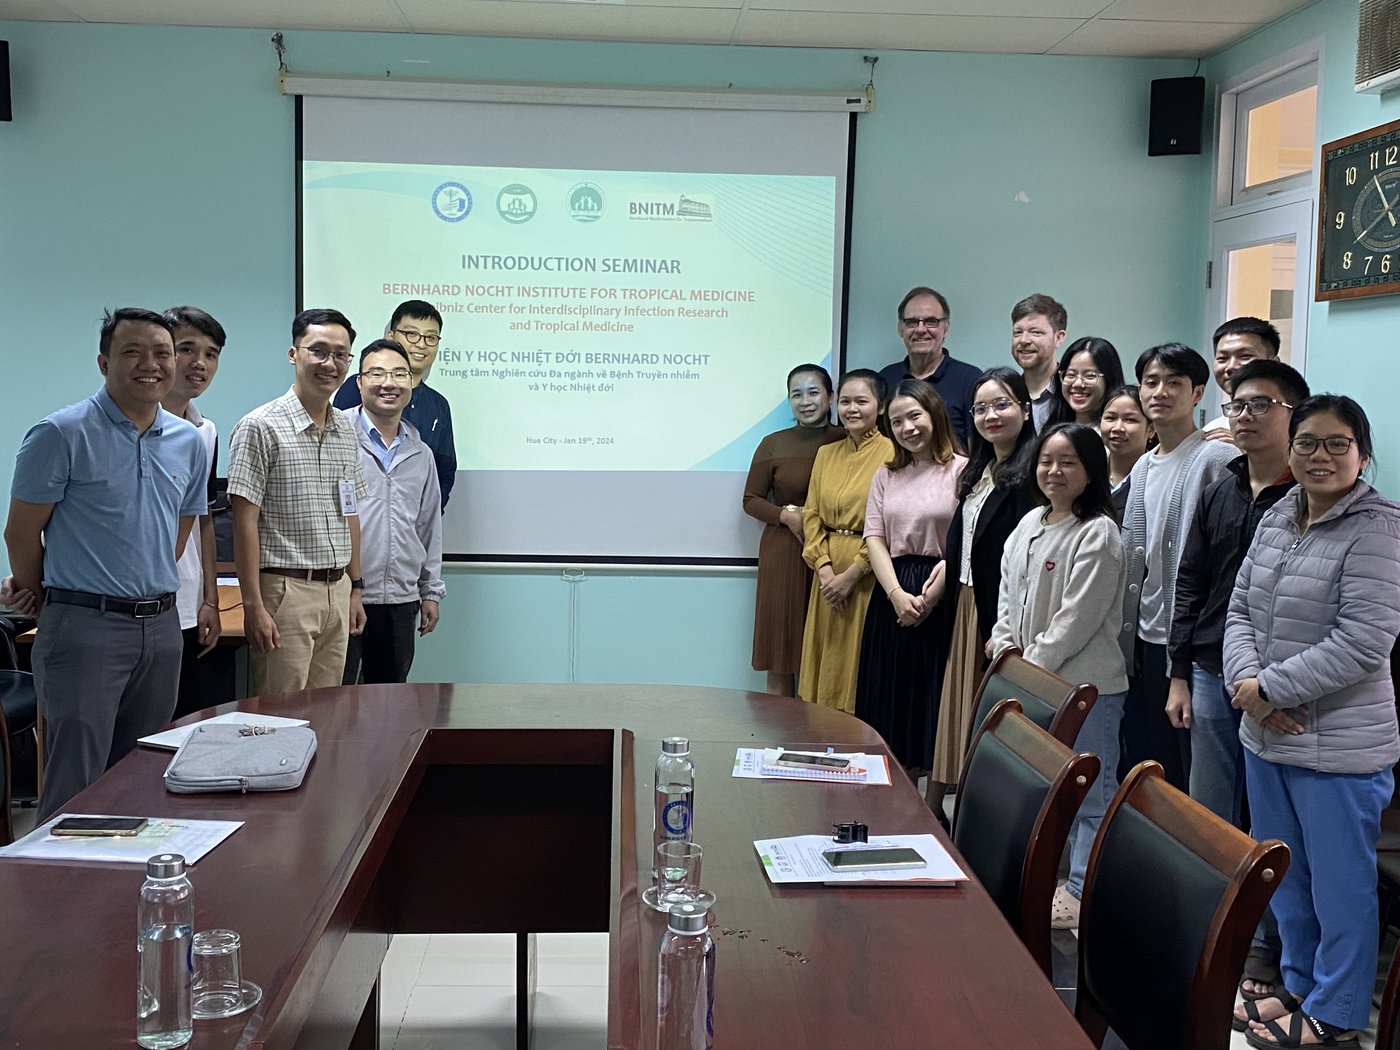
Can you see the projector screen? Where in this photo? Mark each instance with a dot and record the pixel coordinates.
(623, 292)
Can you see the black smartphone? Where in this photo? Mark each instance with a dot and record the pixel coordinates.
(879, 857)
(80, 826)
(796, 761)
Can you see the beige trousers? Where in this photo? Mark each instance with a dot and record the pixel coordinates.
(313, 625)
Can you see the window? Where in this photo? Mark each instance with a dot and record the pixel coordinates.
(1275, 134)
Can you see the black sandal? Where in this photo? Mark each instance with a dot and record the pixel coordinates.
(1292, 1039)
(1251, 1008)
(1261, 967)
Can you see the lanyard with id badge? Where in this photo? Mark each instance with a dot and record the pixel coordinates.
(348, 506)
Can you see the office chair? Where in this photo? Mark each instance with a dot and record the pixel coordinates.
(1171, 899)
(1017, 799)
(19, 706)
(1049, 701)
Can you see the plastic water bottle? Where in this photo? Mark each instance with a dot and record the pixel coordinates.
(675, 795)
(685, 981)
(165, 941)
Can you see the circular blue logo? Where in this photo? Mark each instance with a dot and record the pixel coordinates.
(675, 818)
(516, 203)
(452, 202)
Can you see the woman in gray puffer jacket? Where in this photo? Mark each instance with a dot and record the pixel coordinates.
(1312, 621)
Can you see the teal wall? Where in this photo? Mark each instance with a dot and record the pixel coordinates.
(1351, 343)
(152, 166)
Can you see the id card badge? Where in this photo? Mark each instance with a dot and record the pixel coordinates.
(347, 499)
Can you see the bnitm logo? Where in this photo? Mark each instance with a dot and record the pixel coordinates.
(516, 203)
(586, 202)
(452, 202)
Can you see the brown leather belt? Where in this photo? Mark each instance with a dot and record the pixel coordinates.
(309, 575)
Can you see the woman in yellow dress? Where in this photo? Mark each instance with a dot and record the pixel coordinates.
(833, 521)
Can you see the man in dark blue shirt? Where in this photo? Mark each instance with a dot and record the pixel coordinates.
(417, 327)
(924, 321)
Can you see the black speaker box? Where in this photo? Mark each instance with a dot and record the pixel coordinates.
(1174, 125)
(5, 113)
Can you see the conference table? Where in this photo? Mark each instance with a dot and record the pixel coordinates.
(525, 809)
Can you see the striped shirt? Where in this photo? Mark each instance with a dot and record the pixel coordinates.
(279, 461)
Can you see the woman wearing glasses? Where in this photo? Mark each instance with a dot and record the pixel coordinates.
(774, 493)
(993, 494)
(1312, 621)
(1089, 369)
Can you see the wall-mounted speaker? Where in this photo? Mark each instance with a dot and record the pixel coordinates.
(5, 113)
(1174, 125)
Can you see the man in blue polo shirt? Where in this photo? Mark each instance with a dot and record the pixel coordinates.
(924, 322)
(416, 326)
(104, 495)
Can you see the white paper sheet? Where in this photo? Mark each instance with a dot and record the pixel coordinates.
(749, 765)
(171, 739)
(192, 839)
(798, 859)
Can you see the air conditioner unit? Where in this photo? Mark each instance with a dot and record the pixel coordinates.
(1378, 46)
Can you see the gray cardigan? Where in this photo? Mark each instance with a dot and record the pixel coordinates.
(1314, 618)
(1203, 464)
(1061, 585)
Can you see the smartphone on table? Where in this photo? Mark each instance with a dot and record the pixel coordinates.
(77, 827)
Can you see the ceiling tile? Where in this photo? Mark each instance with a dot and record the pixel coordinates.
(1079, 9)
(903, 32)
(1150, 39)
(1255, 12)
(36, 11)
(628, 22)
(365, 15)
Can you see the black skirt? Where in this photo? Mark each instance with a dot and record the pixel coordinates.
(900, 677)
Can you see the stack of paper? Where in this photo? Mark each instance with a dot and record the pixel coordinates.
(798, 859)
(759, 763)
(171, 739)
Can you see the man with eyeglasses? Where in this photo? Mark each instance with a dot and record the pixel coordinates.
(1263, 394)
(1038, 325)
(1237, 342)
(295, 483)
(924, 321)
(416, 325)
(400, 521)
(104, 497)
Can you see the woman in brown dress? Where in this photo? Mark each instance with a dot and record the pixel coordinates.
(774, 494)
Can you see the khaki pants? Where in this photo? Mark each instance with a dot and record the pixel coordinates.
(313, 626)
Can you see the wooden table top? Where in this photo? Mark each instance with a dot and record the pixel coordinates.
(796, 966)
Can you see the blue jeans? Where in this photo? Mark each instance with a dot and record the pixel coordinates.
(1217, 765)
(1326, 903)
(1099, 735)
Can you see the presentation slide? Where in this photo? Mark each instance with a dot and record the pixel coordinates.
(615, 339)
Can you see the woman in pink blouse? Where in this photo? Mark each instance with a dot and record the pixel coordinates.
(903, 647)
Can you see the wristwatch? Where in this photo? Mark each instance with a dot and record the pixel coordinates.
(357, 585)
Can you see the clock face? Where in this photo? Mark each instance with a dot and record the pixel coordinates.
(1359, 215)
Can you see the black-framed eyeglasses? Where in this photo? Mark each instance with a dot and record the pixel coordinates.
(1335, 445)
(927, 322)
(320, 353)
(1001, 404)
(1257, 406)
(414, 336)
(378, 375)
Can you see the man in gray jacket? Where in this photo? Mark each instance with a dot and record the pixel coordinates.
(400, 522)
(1165, 490)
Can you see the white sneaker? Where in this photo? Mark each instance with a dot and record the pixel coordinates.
(1064, 910)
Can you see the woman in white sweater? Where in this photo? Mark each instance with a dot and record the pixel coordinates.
(1061, 587)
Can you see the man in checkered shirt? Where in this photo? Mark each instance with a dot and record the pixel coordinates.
(294, 482)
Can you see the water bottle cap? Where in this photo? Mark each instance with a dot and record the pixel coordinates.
(689, 918)
(676, 745)
(165, 866)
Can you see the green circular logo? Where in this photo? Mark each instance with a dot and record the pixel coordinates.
(586, 202)
(516, 203)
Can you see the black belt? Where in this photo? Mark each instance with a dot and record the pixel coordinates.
(141, 608)
(318, 575)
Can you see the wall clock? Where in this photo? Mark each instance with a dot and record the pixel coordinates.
(1358, 236)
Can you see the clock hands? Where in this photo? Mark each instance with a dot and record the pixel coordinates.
(1386, 213)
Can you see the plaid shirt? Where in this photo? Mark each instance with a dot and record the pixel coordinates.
(280, 462)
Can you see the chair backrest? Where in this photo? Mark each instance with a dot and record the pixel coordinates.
(19, 706)
(1057, 706)
(1017, 798)
(7, 831)
(1171, 899)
